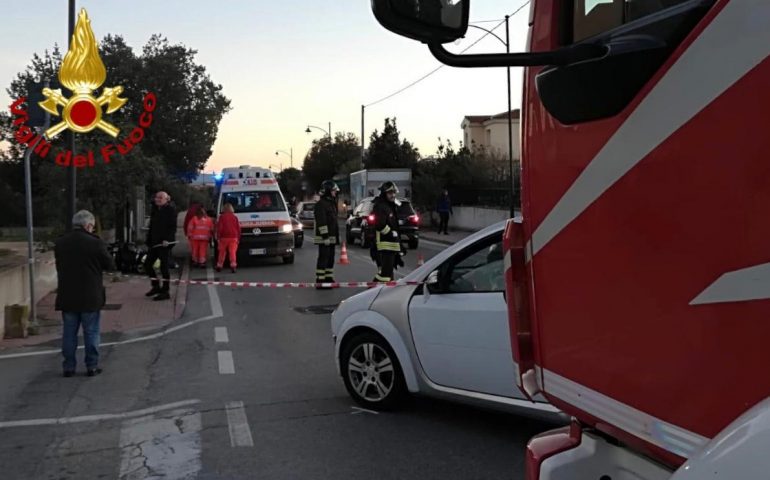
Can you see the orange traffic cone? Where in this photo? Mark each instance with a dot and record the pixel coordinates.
(344, 255)
(420, 260)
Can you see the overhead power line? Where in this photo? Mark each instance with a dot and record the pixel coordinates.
(407, 87)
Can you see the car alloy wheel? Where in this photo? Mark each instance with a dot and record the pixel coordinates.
(371, 372)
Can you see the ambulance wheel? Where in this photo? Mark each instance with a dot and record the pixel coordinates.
(289, 259)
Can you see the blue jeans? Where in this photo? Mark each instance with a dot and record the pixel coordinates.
(69, 344)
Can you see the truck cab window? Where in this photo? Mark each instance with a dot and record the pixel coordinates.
(593, 17)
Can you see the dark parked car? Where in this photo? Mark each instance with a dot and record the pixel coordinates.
(299, 233)
(360, 223)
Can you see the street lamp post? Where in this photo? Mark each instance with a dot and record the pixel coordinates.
(328, 132)
(513, 179)
(290, 153)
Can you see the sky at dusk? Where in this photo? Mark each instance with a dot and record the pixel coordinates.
(286, 64)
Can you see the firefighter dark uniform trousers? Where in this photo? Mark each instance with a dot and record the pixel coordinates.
(387, 238)
(326, 237)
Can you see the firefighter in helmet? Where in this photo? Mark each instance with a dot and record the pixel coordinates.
(327, 232)
(386, 235)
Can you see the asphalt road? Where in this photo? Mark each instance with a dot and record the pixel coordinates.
(244, 387)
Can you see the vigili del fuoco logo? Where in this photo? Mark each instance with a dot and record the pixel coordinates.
(82, 72)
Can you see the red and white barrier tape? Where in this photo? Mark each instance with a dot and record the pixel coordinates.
(236, 284)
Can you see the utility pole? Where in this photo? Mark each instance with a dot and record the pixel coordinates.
(513, 177)
(71, 172)
(363, 113)
(33, 325)
(513, 180)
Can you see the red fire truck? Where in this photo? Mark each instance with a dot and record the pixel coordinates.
(638, 282)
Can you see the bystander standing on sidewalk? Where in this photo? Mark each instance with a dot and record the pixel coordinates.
(81, 257)
(444, 209)
(160, 239)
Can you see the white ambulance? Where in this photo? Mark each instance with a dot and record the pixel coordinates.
(266, 229)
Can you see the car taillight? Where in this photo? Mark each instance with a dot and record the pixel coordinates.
(414, 219)
(370, 219)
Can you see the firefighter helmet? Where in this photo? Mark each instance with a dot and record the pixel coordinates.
(327, 187)
(388, 187)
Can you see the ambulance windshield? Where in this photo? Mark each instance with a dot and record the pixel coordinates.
(257, 201)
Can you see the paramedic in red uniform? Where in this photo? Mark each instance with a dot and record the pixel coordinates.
(228, 235)
(199, 232)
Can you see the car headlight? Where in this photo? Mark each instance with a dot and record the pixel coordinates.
(286, 228)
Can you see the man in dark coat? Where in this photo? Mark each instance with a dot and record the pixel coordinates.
(444, 209)
(81, 257)
(160, 239)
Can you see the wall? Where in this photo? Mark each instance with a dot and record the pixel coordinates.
(21, 232)
(14, 284)
(499, 137)
(471, 218)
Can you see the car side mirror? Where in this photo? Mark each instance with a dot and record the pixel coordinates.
(432, 284)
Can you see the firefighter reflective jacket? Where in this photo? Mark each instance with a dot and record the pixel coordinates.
(326, 225)
(387, 237)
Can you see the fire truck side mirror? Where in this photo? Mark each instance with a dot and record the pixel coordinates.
(436, 22)
(428, 21)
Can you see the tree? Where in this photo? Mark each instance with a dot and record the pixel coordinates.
(185, 125)
(290, 182)
(387, 150)
(190, 107)
(326, 158)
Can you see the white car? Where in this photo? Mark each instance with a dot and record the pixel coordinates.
(448, 337)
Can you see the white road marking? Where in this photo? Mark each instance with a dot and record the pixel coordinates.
(226, 363)
(167, 448)
(238, 424)
(37, 422)
(216, 305)
(220, 335)
(362, 410)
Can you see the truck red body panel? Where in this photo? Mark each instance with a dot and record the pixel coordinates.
(643, 230)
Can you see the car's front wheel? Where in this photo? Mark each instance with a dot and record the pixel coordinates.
(371, 372)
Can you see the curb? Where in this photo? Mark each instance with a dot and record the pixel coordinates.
(437, 240)
(443, 240)
(180, 298)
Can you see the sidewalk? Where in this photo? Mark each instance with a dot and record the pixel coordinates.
(127, 309)
(453, 237)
